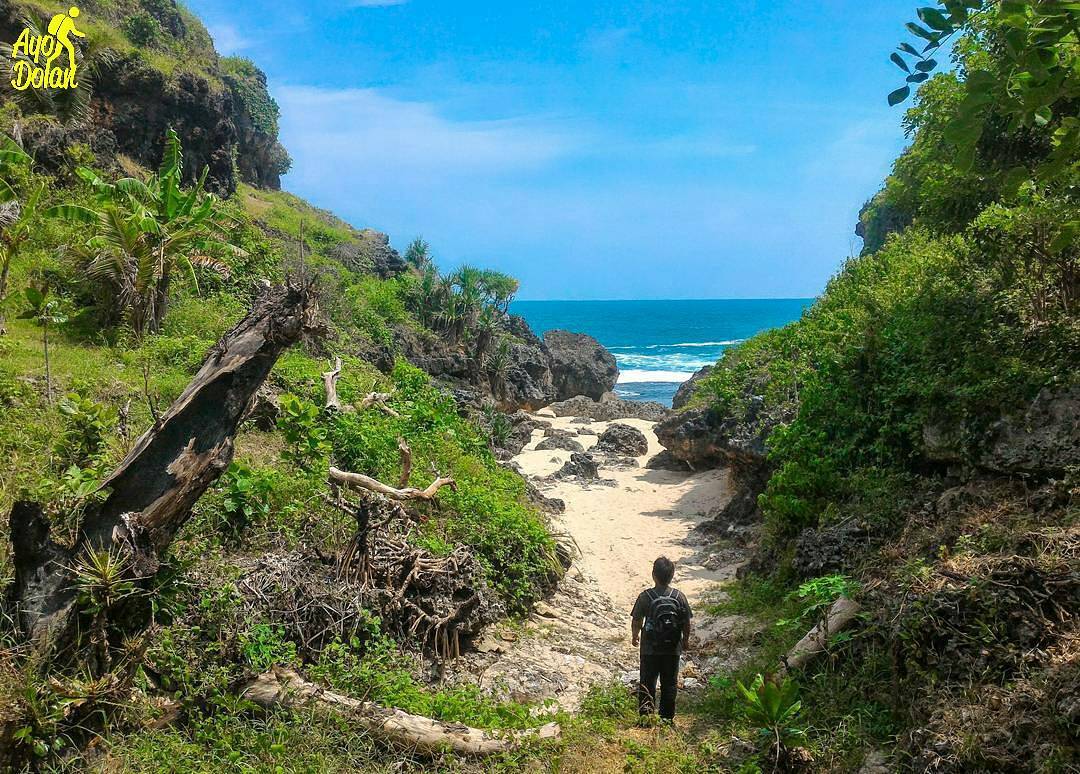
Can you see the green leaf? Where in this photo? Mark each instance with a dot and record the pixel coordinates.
(899, 62)
(909, 49)
(1044, 115)
(922, 32)
(935, 19)
(917, 77)
(926, 65)
(898, 96)
(72, 212)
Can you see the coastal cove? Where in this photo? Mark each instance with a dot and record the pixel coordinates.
(658, 344)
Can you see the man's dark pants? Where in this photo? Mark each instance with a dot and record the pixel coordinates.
(665, 667)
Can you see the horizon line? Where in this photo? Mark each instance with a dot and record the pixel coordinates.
(740, 298)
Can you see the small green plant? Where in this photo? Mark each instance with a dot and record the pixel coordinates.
(264, 645)
(772, 706)
(247, 497)
(88, 424)
(818, 596)
(304, 434)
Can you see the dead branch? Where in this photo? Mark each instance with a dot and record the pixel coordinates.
(330, 379)
(360, 481)
(379, 400)
(284, 687)
(406, 462)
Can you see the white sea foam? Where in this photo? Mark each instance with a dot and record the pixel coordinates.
(638, 376)
(727, 343)
(681, 344)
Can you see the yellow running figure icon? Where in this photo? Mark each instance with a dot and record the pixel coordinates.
(59, 27)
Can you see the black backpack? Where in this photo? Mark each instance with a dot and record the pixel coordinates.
(664, 623)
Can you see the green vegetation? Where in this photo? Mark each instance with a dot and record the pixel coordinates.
(960, 310)
(126, 313)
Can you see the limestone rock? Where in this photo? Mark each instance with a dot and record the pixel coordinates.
(623, 440)
(579, 365)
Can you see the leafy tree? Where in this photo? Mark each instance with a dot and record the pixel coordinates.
(143, 233)
(1026, 73)
(44, 311)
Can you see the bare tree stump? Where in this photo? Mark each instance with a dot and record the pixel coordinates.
(151, 492)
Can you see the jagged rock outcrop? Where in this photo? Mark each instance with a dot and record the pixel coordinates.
(579, 365)
(369, 252)
(686, 389)
(580, 465)
(226, 118)
(609, 409)
(622, 439)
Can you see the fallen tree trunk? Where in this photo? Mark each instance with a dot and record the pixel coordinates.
(151, 492)
(841, 614)
(284, 687)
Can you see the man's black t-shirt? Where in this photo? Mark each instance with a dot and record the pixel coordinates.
(641, 610)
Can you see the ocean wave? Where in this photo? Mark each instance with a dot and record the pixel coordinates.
(627, 393)
(727, 343)
(672, 362)
(678, 345)
(636, 376)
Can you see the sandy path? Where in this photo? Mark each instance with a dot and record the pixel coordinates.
(581, 634)
(621, 529)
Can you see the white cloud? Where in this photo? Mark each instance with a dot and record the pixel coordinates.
(381, 135)
(227, 39)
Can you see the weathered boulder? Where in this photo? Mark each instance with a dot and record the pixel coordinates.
(563, 442)
(607, 410)
(579, 365)
(686, 389)
(580, 465)
(706, 439)
(623, 440)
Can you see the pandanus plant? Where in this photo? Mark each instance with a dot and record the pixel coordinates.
(143, 233)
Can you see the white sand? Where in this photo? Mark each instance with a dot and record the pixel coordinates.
(621, 529)
(581, 634)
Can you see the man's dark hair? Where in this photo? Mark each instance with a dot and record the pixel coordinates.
(663, 570)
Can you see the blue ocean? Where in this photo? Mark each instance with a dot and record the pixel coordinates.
(659, 344)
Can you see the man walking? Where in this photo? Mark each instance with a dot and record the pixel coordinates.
(660, 620)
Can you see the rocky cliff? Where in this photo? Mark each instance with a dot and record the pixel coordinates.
(148, 66)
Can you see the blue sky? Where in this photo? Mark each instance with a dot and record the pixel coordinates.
(631, 149)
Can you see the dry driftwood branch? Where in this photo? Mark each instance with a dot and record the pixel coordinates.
(406, 462)
(151, 492)
(330, 379)
(284, 687)
(379, 400)
(841, 614)
(360, 481)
